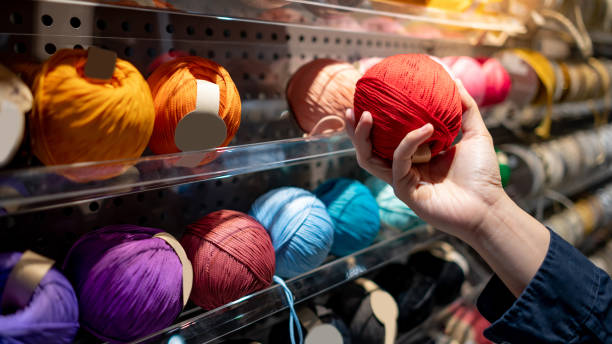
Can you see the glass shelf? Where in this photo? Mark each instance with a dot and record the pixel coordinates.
(208, 326)
(385, 17)
(47, 187)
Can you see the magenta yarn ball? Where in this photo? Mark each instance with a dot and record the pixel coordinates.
(469, 71)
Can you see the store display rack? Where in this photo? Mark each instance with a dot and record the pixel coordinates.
(208, 326)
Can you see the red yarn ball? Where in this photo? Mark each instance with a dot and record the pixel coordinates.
(403, 93)
(232, 256)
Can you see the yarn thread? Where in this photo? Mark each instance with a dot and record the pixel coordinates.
(300, 227)
(403, 93)
(232, 257)
(354, 212)
(52, 314)
(294, 321)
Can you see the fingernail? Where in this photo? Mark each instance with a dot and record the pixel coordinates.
(425, 127)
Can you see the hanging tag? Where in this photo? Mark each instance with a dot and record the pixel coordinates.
(324, 333)
(202, 128)
(308, 318)
(24, 278)
(100, 63)
(14, 90)
(386, 311)
(11, 130)
(187, 268)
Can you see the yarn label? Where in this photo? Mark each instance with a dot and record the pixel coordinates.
(202, 128)
(100, 63)
(386, 311)
(325, 333)
(187, 267)
(24, 278)
(11, 131)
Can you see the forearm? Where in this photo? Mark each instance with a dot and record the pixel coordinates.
(512, 242)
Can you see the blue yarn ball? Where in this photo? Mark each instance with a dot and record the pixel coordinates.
(355, 214)
(301, 230)
(393, 212)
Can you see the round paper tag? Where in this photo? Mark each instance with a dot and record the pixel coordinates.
(11, 130)
(325, 333)
(198, 131)
(14, 90)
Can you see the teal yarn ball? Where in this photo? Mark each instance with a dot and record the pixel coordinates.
(354, 211)
(393, 212)
(301, 230)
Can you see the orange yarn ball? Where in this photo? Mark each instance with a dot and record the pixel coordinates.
(323, 87)
(174, 89)
(78, 119)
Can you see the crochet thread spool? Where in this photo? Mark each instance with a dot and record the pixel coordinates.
(320, 325)
(403, 93)
(232, 256)
(471, 74)
(301, 230)
(354, 212)
(80, 116)
(130, 281)
(38, 302)
(197, 106)
(319, 94)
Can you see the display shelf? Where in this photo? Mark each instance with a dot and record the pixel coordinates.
(205, 327)
(357, 16)
(47, 187)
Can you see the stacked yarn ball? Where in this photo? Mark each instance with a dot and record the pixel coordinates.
(174, 89)
(354, 212)
(129, 283)
(79, 119)
(301, 230)
(403, 93)
(393, 212)
(52, 316)
(321, 88)
(232, 256)
(469, 71)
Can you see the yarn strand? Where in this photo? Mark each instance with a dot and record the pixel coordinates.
(294, 320)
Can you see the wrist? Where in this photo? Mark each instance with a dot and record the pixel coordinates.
(512, 242)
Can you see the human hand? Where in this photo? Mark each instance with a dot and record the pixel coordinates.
(456, 190)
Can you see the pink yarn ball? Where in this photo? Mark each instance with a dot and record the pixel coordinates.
(498, 82)
(469, 71)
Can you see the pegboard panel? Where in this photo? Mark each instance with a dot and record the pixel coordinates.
(260, 56)
(52, 232)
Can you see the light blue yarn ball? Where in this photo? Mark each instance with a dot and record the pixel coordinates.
(393, 212)
(301, 230)
(355, 214)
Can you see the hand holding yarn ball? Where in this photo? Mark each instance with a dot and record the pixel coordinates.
(456, 189)
(403, 93)
(130, 281)
(301, 229)
(232, 256)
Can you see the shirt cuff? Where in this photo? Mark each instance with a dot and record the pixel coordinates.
(554, 305)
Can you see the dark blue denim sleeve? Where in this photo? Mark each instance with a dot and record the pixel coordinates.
(569, 300)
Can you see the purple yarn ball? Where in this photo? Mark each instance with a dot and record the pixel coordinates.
(129, 284)
(52, 316)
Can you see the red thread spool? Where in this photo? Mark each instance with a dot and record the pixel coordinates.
(232, 256)
(403, 93)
